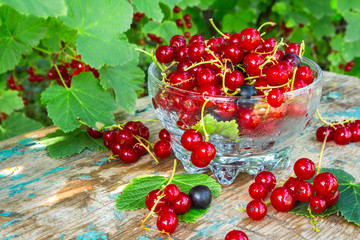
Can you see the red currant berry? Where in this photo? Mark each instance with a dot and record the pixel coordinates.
(116, 148)
(355, 132)
(164, 135)
(167, 222)
(333, 199)
(30, 70)
(290, 184)
(124, 137)
(250, 39)
(256, 210)
(164, 54)
(162, 149)
(236, 235)
(196, 51)
(188, 25)
(234, 53)
(128, 154)
(317, 204)
(322, 131)
(275, 98)
(179, 22)
(269, 44)
(166, 209)
(32, 78)
(251, 63)
(172, 193)
(151, 199)
(281, 199)
(187, 34)
(177, 41)
(342, 135)
(181, 54)
(326, 184)
(226, 109)
(187, 17)
(191, 139)
(182, 205)
(258, 191)
(109, 138)
(214, 44)
(234, 80)
(140, 149)
(277, 75)
(176, 9)
(293, 48)
(305, 73)
(304, 191)
(94, 133)
(203, 154)
(248, 119)
(39, 78)
(182, 80)
(144, 132)
(196, 38)
(304, 169)
(133, 127)
(267, 178)
(206, 76)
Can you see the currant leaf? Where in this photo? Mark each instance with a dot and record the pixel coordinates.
(188, 3)
(60, 144)
(10, 101)
(238, 20)
(319, 8)
(224, 128)
(18, 34)
(150, 8)
(323, 28)
(187, 181)
(352, 20)
(301, 208)
(209, 123)
(17, 124)
(85, 99)
(166, 30)
(192, 215)
(38, 8)
(125, 80)
(98, 41)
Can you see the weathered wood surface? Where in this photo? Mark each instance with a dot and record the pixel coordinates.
(74, 197)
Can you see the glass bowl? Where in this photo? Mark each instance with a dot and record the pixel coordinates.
(253, 138)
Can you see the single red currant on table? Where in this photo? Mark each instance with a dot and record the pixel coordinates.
(164, 135)
(267, 178)
(258, 191)
(281, 199)
(167, 222)
(162, 149)
(256, 210)
(304, 169)
(236, 235)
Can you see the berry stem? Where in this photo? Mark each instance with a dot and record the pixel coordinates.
(271, 87)
(293, 79)
(213, 54)
(61, 78)
(216, 29)
(200, 63)
(172, 173)
(272, 57)
(264, 24)
(68, 44)
(152, 57)
(202, 119)
(302, 49)
(225, 88)
(241, 210)
(146, 147)
(321, 153)
(168, 67)
(312, 220)
(42, 50)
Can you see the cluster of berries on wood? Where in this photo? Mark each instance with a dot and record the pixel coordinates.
(171, 202)
(342, 132)
(320, 194)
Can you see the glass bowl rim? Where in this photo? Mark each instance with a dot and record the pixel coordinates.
(296, 92)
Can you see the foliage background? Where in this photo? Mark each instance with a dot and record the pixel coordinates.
(41, 33)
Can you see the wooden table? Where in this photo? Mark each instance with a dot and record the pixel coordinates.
(74, 197)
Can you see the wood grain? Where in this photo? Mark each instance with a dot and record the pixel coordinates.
(74, 197)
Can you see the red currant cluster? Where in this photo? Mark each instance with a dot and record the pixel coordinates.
(13, 85)
(202, 152)
(138, 16)
(76, 66)
(32, 77)
(155, 38)
(348, 66)
(127, 141)
(179, 22)
(236, 235)
(321, 194)
(264, 183)
(341, 132)
(172, 202)
(162, 148)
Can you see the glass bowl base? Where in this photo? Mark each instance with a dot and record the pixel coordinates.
(227, 168)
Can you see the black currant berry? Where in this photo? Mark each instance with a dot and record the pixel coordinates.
(200, 196)
(292, 58)
(247, 91)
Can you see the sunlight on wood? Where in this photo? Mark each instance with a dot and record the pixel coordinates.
(72, 188)
(12, 171)
(119, 189)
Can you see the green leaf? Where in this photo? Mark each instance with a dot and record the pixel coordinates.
(349, 202)
(224, 128)
(323, 27)
(352, 30)
(209, 123)
(350, 50)
(151, 8)
(18, 33)
(17, 124)
(134, 194)
(125, 80)
(85, 99)
(301, 208)
(227, 128)
(337, 42)
(188, 3)
(192, 215)
(344, 6)
(239, 20)
(98, 24)
(170, 3)
(10, 101)
(166, 30)
(38, 8)
(280, 7)
(205, 4)
(60, 144)
(57, 31)
(319, 8)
